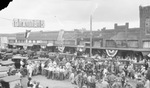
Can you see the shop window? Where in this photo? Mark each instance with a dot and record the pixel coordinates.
(146, 44)
(110, 43)
(133, 43)
(120, 43)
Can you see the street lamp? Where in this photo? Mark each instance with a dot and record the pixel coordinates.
(91, 34)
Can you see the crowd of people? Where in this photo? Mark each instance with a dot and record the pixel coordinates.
(87, 73)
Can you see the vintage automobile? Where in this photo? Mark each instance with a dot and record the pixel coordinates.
(11, 82)
(7, 56)
(17, 58)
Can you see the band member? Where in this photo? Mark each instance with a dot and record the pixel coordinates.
(61, 73)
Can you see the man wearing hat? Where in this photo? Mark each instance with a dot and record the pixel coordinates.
(104, 84)
(117, 84)
(93, 81)
(140, 83)
(127, 84)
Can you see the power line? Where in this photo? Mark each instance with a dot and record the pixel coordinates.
(6, 18)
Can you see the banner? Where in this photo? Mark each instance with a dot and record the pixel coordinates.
(111, 53)
(27, 33)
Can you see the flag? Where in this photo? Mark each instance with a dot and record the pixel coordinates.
(27, 33)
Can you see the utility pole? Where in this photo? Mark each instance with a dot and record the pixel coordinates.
(91, 34)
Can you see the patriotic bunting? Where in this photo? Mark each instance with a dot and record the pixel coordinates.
(111, 53)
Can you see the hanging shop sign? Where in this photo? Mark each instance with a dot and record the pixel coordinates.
(111, 53)
(28, 23)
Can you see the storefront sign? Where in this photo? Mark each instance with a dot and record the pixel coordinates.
(28, 23)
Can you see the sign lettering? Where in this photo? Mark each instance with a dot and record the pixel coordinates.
(28, 23)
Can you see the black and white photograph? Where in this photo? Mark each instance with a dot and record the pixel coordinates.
(75, 44)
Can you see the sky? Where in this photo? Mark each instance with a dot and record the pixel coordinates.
(71, 14)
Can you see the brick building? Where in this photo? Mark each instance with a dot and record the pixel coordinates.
(121, 37)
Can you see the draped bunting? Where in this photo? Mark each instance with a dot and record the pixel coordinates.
(111, 53)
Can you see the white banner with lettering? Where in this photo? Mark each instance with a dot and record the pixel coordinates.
(111, 53)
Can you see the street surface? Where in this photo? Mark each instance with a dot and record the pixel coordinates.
(56, 83)
(48, 82)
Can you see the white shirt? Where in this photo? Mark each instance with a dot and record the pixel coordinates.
(18, 74)
(54, 64)
(89, 78)
(58, 69)
(105, 71)
(50, 68)
(68, 65)
(21, 63)
(147, 84)
(42, 65)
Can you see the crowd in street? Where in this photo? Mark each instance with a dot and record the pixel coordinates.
(92, 73)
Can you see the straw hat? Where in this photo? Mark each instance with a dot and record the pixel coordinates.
(139, 77)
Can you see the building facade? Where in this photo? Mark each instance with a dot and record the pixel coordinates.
(121, 36)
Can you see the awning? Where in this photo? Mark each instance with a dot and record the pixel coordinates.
(19, 57)
(21, 44)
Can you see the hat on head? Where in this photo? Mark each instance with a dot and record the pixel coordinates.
(139, 77)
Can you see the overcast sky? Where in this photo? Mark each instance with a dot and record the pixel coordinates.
(71, 14)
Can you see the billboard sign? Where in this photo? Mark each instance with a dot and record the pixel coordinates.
(28, 23)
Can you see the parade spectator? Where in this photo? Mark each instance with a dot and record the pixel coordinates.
(104, 84)
(29, 83)
(30, 69)
(147, 84)
(127, 84)
(93, 81)
(38, 85)
(42, 66)
(117, 84)
(21, 63)
(140, 83)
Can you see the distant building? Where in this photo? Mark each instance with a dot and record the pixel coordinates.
(120, 37)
